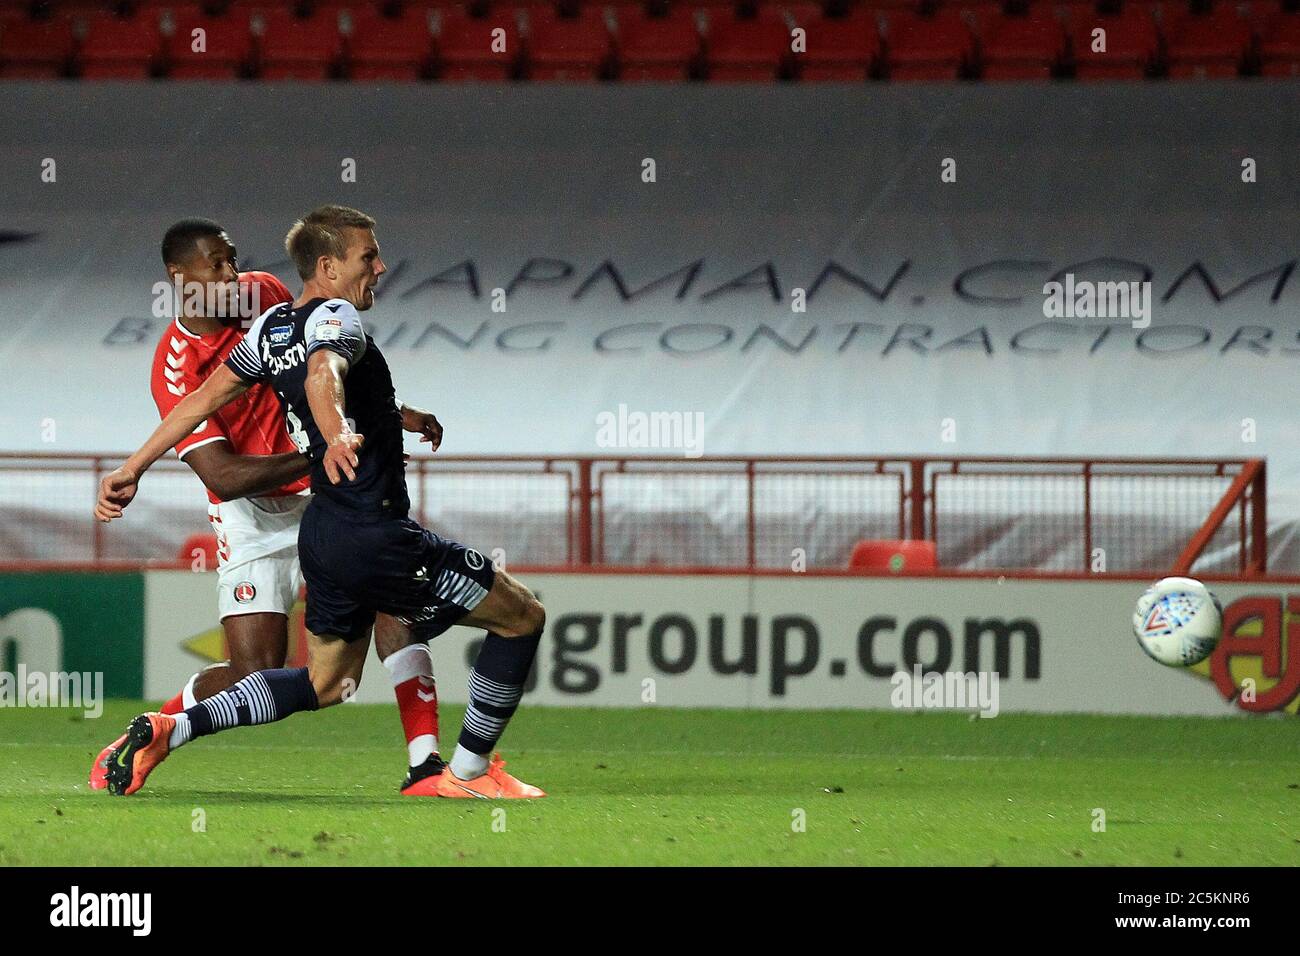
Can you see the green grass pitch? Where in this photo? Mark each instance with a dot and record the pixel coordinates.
(658, 786)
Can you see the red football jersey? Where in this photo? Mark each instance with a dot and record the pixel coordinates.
(254, 422)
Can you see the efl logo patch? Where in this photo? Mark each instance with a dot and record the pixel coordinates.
(280, 334)
(328, 330)
(245, 592)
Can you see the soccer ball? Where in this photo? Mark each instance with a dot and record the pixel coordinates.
(1178, 622)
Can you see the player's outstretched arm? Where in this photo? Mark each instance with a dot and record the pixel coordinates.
(422, 423)
(229, 475)
(325, 397)
(118, 487)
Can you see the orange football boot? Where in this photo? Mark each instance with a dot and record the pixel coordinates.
(99, 769)
(148, 742)
(496, 784)
(424, 787)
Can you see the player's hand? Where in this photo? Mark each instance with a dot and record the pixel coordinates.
(431, 432)
(116, 489)
(341, 457)
(424, 424)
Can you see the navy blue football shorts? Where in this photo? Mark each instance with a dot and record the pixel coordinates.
(357, 564)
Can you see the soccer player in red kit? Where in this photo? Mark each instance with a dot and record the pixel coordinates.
(258, 487)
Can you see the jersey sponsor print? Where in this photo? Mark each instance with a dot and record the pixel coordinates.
(275, 352)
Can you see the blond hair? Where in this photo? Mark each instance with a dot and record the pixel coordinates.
(320, 233)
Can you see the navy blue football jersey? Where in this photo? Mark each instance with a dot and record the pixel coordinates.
(275, 351)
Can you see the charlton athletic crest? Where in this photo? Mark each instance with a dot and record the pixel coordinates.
(245, 592)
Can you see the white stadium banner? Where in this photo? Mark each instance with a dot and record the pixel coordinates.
(820, 642)
(798, 272)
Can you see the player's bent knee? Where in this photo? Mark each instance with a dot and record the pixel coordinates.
(529, 619)
(534, 616)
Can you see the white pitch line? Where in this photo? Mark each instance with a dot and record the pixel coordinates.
(686, 755)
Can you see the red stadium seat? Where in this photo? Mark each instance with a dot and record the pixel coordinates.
(297, 48)
(1023, 48)
(121, 47)
(568, 48)
(1214, 44)
(1132, 45)
(36, 49)
(1259, 12)
(842, 49)
(746, 49)
(657, 48)
(979, 15)
(1279, 48)
(571, 39)
(938, 47)
(225, 51)
(390, 48)
(468, 47)
(801, 13)
(893, 556)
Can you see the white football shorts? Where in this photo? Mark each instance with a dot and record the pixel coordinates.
(257, 554)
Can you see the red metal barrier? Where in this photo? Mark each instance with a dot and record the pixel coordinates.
(1044, 516)
(1246, 493)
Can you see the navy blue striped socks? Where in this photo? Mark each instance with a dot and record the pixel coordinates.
(496, 683)
(260, 698)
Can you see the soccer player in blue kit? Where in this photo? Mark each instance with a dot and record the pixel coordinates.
(360, 552)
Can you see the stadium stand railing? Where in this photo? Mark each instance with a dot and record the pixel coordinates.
(985, 516)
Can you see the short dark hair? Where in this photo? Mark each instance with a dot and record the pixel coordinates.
(178, 242)
(320, 233)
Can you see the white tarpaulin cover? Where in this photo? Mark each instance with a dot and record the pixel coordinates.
(924, 330)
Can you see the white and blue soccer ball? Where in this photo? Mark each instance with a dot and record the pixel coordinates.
(1178, 622)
